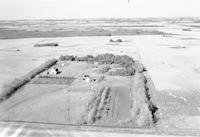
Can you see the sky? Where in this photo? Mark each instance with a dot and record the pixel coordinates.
(66, 9)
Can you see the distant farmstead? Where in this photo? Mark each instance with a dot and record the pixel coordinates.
(46, 45)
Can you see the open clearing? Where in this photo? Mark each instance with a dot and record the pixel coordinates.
(172, 63)
(87, 95)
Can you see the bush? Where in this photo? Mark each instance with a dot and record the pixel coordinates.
(111, 40)
(101, 78)
(68, 58)
(118, 72)
(107, 58)
(88, 58)
(108, 34)
(10, 88)
(122, 72)
(118, 40)
(142, 107)
(75, 58)
(105, 69)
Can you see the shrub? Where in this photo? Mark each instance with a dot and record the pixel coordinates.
(108, 34)
(118, 40)
(112, 59)
(9, 88)
(122, 72)
(68, 58)
(111, 40)
(118, 72)
(143, 109)
(107, 58)
(105, 69)
(126, 60)
(88, 58)
(101, 78)
(41, 68)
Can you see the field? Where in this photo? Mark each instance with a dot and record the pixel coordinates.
(169, 54)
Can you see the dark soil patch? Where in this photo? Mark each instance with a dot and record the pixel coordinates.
(178, 47)
(53, 80)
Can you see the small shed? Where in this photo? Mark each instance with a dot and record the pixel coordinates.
(54, 71)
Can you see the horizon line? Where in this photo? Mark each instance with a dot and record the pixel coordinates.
(105, 18)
